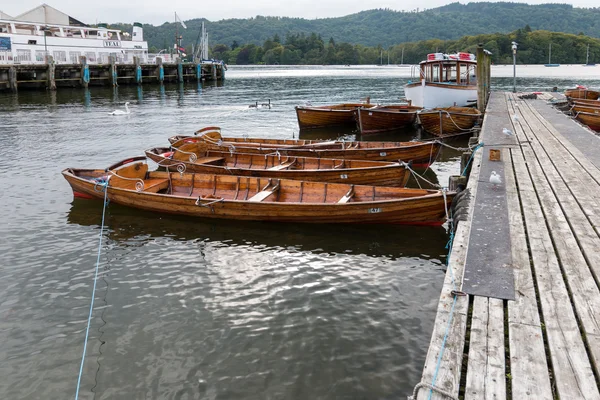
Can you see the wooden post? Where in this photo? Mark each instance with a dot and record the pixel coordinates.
(85, 71)
(113, 70)
(179, 70)
(214, 71)
(51, 77)
(138, 70)
(160, 70)
(454, 181)
(198, 71)
(464, 163)
(12, 78)
(481, 81)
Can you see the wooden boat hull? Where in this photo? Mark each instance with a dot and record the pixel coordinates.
(382, 119)
(585, 102)
(449, 121)
(582, 94)
(421, 154)
(196, 158)
(261, 199)
(339, 115)
(585, 108)
(592, 120)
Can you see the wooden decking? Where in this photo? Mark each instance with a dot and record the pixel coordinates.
(546, 343)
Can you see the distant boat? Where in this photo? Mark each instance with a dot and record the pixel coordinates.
(587, 58)
(549, 57)
(443, 80)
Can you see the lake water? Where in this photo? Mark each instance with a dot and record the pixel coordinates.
(189, 309)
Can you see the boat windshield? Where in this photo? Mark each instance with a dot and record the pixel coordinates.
(449, 71)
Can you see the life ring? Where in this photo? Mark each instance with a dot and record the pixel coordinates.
(168, 154)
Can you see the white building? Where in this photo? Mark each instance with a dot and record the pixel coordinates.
(44, 30)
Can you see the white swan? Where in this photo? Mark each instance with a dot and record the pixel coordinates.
(121, 112)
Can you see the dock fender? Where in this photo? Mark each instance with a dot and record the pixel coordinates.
(460, 205)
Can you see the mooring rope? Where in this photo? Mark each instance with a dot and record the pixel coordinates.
(87, 330)
(418, 176)
(471, 158)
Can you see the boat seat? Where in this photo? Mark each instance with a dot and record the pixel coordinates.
(348, 196)
(281, 166)
(210, 160)
(262, 195)
(150, 185)
(154, 185)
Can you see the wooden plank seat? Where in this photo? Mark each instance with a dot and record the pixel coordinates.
(348, 196)
(210, 160)
(281, 167)
(265, 192)
(150, 185)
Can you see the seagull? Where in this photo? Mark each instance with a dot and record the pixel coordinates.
(121, 112)
(515, 118)
(495, 179)
(507, 132)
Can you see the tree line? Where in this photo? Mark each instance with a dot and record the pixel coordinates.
(387, 27)
(311, 49)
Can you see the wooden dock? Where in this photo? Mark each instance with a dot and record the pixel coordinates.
(51, 76)
(545, 344)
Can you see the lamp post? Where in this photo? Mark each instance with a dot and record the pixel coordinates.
(43, 29)
(514, 50)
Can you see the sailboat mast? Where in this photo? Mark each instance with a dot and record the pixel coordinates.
(587, 55)
(549, 53)
(402, 59)
(176, 34)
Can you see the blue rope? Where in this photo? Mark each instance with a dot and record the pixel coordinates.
(471, 159)
(87, 331)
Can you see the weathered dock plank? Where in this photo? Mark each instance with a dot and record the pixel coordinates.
(529, 369)
(486, 369)
(571, 365)
(555, 197)
(443, 362)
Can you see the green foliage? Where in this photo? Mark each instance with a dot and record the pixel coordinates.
(365, 37)
(387, 27)
(310, 49)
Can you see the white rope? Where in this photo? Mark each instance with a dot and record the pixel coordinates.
(421, 385)
(417, 176)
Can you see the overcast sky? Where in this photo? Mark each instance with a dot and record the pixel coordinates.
(158, 11)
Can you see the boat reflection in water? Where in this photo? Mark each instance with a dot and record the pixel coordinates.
(124, 225)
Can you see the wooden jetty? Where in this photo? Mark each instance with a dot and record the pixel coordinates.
(544, 344)
(51, 76)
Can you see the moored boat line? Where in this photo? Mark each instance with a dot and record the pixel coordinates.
(261, 199)
(386, 118)
(195, 157)
(449, 121)
(337, 115)
(582, 93)
(420, 153)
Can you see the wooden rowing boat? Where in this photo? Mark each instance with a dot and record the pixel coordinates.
(420, 153)
(585, 102)
(584, 108)
(449, 121)
(582, 93)
(592, 120)
(386, 118)
(195, 157)
(263, 199)
(310, 117)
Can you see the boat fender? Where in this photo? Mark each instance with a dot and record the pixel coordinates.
(168, 154)
(461, 200)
